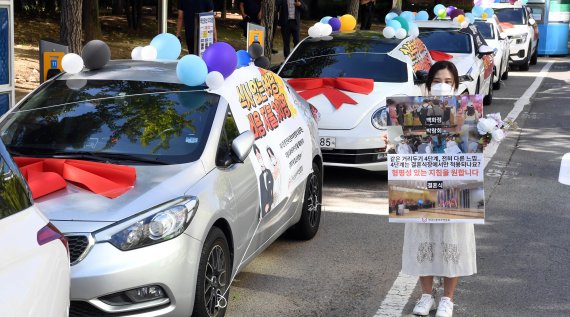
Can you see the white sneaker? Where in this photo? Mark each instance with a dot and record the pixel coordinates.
(445, 308)
(424, 305)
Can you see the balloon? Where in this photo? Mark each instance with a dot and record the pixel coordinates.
(477, 11)
(442, 14)
(456, 13)
(437, 8)
(215, 80)
(326, 29)
(347, 23)
(456, 20)
(192, 70)
(148, 53)
(401, 33)
(96, 54)
(464, 24)
(136, 53)
(394, 24)
(403, 23)
(76, 84)
(414, 31)
(243, 59)
(484, 16)
(489, 12)
(326, 19)
(335, 24)
(449, 9)
(221, 57)
(72, 63)
(389, 32)
(461, 18)
(314, 31)
(524, 2)
(390, 16)
(408, 15)
(422, 16)
(167, 46)
(420, 202)
(262, 62)
(469, 16)
(255, 50)
(478, 2)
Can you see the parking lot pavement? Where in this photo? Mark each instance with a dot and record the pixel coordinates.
(352, 265)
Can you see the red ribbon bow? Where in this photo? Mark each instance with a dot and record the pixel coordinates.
(331, 88)
(48, 175)
(439, 56)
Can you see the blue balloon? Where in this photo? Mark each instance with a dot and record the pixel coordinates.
(477, 11)
(408, 15)
(192, 70)
(489, 12)
(394, 24)
(470, 16)
(167, 46)
(326, 19)
(390, 16)
(437, 8)
(420, 202)
(422, 16)
(243, 58)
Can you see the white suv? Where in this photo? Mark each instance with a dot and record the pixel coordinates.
(522, 31)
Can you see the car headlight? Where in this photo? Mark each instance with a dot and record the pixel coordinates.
(380, 118)
(520, 39)
(158, 224)
(466, 77)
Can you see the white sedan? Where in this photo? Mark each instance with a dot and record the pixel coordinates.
(496, 38)
(470, 54)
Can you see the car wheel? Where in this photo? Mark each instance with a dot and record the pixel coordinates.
(534, 58)
(214, 273)
(308, 226)
(488, 99)
(477, 88)
(505, 75)
(525, 65)
(497, 85)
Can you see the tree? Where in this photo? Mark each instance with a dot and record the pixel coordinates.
(133, 9)
(353, 6)
(91, 25)
(70, 31)
(397, 4)
(268, 8)
(118, 7)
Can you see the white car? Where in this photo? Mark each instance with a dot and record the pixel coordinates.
(34, 254)
(522, 31)
(350, 134)
(496, 38)
(470, 54)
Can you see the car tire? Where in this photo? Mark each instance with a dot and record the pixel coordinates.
(308, 225)
(505, 75)
(497, 85)
(218, 273)
(488, 99)
(525, 64)
(534, 57)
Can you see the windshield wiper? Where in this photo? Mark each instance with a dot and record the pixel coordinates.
(104, 157)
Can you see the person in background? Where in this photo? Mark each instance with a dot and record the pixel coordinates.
(275, 24)
(290, 22)
(187, 10)
(250, 11)
(367, 9)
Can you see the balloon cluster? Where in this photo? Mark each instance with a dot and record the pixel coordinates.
(164, 46)
(217, 63)
(403, 25)
(94, 55)
(328, 24)
(483, 13)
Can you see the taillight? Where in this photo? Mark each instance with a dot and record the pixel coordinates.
(50, 233)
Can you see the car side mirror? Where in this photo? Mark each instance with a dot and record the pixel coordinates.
(242, 145)
(485, 50)
(531, 21)
(421, 77)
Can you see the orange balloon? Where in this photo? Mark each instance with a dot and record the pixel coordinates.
(347, 22)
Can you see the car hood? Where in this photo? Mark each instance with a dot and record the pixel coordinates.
(348, 116)
(516, 30)
(463, 62)
(154, 185)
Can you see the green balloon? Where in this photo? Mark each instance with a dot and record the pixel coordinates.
(403, 22)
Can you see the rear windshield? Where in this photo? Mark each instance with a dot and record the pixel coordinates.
(447, 41)
(150, 121)
(511, 15)
(486, 30)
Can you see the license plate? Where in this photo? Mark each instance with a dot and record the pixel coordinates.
(328, 142)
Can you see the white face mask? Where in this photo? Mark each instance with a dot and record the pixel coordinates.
(442, 89)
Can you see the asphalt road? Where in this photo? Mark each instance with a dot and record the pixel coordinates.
(523, 250)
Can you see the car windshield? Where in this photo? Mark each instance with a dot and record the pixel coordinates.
(511, 15)
(486, 30)
(446, 41)
(145, 122)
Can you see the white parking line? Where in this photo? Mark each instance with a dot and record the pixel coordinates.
(399, 295)
(564, 176)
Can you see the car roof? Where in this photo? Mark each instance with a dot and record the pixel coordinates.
(132, 70)
(505, 6)
(438, 24)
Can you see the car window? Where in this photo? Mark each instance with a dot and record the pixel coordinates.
(447, 41)
(338, 45)
(13, 192)
(379, 67)
(227, 136)
(113, 117)
(486, 30)
(511, 15)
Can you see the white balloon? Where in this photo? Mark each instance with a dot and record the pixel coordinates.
(321, 28)
(414, 32)
(76, 84)
(314, 31)
(401, 33)
(327, 29)
(214, 80)
(456, 20)
(149, 53)
(464, 24)
(389, 32)
(72, 63)
(136, 53)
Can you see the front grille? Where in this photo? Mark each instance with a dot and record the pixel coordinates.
(78, 245)
(85, 309)
(354, 156)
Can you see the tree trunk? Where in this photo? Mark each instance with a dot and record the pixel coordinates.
(118, 7)
(397, 4)
(268, 7)
(70, 25)
(133, 9)
(224, 9)
(353, 6)
(18, 7)
(91, 25)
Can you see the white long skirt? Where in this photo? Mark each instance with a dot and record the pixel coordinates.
(446, 250)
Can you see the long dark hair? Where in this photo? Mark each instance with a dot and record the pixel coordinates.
(439, 66)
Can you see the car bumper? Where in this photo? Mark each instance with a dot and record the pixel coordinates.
(518, 52)
(172, 265)
(365, 152)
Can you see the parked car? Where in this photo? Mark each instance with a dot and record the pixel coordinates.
(168, 244)
(350, 135)
(471, 54)
(496, 38)
(522, 31)
(34, 254)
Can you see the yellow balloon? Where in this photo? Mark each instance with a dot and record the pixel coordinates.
(347, 22)
(484, 16)
(461, 18)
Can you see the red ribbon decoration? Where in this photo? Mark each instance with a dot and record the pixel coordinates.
(331, 88)
(439, 56)
(506, 25)
(47, 175)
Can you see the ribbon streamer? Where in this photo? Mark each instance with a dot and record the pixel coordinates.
(439, 56)
(331, 88)
(47, 175)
